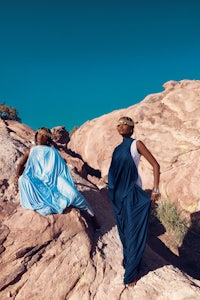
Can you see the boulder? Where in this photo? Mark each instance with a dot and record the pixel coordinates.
(169, 125)
(61, 256)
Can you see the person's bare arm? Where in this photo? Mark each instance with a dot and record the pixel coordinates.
(142, 149)
(20, 167)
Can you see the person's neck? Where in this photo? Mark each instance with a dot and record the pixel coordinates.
(126, 137)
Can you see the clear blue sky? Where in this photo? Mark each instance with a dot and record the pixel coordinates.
(66, 62)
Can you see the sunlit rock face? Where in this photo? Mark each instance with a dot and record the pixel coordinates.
(61, 256)
(169, 125)
(14, 140)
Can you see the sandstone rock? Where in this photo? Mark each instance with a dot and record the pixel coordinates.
(169, 125)
(60, 135)
(60, 256)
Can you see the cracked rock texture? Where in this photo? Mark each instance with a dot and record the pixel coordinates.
(61, 256)
(169, 125)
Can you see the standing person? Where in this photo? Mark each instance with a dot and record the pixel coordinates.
(130, 203)
(45, 182)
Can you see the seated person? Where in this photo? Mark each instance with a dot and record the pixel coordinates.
(45, 182)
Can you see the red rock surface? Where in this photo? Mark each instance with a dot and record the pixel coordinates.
(60, 256)
(169, 125)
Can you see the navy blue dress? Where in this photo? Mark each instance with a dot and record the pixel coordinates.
(131, 206)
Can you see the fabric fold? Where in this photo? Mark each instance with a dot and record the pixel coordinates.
(46, 184)
(131, 206)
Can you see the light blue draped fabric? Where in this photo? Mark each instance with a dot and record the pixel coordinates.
(131, 206)
(46, 184)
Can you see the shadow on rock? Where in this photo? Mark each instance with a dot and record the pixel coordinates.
(99, 201)
(189, 252)
(151, 260)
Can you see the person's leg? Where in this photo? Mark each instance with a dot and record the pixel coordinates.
(90, 218)
(82, 204)
(95, 222)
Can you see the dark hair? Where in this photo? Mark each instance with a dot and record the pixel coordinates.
(47, 132)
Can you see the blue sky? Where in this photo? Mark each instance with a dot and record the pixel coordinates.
(66, 62)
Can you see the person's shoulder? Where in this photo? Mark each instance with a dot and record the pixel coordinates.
(139, 143)
(31, 149)
(53, 150)
(133, 142)
(48, 148)
(141, 148)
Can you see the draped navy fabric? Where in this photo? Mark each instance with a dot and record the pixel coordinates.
(131, 206)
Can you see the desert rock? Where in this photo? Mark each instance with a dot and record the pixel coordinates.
(62, 256)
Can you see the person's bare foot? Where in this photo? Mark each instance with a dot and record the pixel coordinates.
(131, 284)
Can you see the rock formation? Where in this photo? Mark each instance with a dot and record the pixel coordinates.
(169, 125)
(61, 256)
